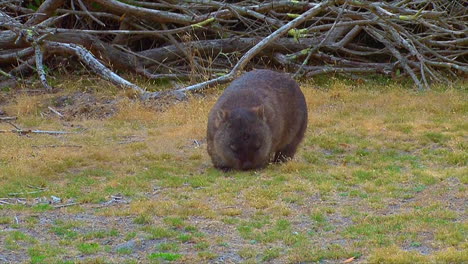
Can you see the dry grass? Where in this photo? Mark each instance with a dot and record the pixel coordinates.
(381, 176)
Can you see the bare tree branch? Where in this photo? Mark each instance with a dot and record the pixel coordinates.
(200, 39)
(89, 60)
(257, 48)
(46, 9)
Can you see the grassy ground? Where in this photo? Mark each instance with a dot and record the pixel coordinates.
(381, 177)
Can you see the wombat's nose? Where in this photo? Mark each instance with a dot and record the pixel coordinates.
(247, 165)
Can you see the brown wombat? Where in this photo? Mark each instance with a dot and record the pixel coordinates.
(261, 116)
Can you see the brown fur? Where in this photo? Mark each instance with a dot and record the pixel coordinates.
(261, 116)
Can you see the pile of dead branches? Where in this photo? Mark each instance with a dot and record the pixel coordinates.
(204, 40)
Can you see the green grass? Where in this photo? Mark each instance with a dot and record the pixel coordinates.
(15, 238)
(65, 230)
(124, 251)
(42, 253)
(171, 246)
(380, 176)
(164, 256)
(142, 219)
(4, 220)
(88, 248)
(271, 254)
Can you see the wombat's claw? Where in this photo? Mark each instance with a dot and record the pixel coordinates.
(225, 169)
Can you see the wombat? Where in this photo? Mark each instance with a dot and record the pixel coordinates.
(260, 117)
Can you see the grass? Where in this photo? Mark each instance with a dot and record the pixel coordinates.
(164, 256)
(88, 248)
(381, 176)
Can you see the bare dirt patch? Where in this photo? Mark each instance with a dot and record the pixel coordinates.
(81, 105)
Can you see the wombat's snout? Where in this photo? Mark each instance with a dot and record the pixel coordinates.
(246, 165)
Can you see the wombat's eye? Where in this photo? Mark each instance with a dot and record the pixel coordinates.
(245, 137)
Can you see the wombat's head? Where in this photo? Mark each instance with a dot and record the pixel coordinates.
(243, 138)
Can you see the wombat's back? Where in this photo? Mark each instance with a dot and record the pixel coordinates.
(257, 86)
(264, 80)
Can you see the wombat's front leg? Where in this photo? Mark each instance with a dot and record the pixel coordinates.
(223, 168)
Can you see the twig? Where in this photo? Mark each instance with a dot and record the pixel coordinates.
(257, 48)
(133, 32)
(426, 39)
(15, 126)
(57, 146)
(36, 187)
(130, 141)
(8, 118)
(150, 14)
(114, 199)
(404, 62)
(90, 61)
(349, 37)
(316, 70)
(12, 200)
(55, 112)
(389, 26)
(46, 9)
(23, 132)
(22, 193)
(7, 74)
(64, 205)
(314, 49)
(83, 7)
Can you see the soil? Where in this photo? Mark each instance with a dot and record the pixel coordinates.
(81, 105)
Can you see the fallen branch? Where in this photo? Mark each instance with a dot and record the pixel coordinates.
(16, 200)
(257, 48)
(65, 205)
(199, 39)
(57, 146)
(115, 199)
(55, 111)
(8, 118)
(310, 71)
(23, 193)
(132, 32)
(404, 62)
(13, 125)
(83, 7)
(24, 132)
(151, 14)
(90, 61)
(312, 50)
(46, 10)
(40, 67)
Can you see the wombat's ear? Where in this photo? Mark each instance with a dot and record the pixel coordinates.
(222, 115)
(259, 111)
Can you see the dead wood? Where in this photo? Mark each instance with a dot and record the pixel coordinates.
(25, 132)
(44, 11)
(210, 42)
(55, 112)
(7, 118)
(65, 205)
(257, 48)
